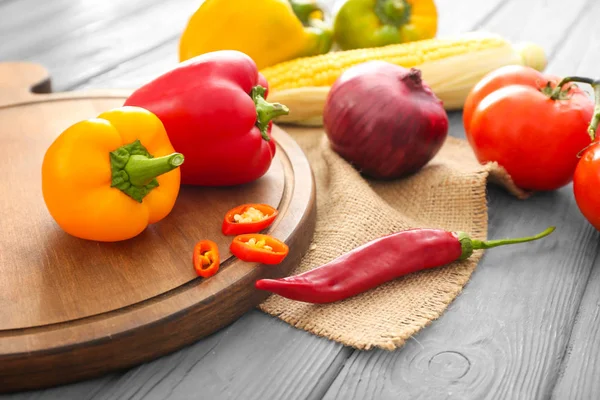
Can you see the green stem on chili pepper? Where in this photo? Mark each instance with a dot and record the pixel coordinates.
(468, 245)
(379, 261)
(595, 84)
(265, 111)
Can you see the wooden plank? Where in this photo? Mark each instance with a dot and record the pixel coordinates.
(134, 73)
(72, 19)
(92, 51)
(504, 336)
(257, 357)
(17, 16)
(544, 22)
(581, 364)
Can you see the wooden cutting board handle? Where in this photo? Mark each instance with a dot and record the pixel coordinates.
(20, 80)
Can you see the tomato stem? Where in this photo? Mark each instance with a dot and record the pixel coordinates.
(595, 84)
(556, 93)
(596, 118)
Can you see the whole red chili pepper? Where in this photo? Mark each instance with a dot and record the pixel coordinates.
(380, 261)
(215, 112)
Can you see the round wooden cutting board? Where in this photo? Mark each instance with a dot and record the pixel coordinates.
(72, 309)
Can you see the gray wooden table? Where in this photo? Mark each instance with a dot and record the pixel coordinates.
(525, 327)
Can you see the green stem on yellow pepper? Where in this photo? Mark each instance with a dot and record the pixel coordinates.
(141, 169)
(134, 169)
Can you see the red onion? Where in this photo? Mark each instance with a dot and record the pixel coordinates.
(384, 120)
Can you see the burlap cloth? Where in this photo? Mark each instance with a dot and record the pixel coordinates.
(449, 193)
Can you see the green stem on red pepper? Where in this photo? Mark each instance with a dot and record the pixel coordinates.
(468, 245)
(265, 111)
(595, 84)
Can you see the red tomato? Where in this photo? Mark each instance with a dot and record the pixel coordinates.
(586, 182)
(509, 119)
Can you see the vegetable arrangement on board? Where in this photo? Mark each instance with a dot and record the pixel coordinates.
(382, 100)
(129, 160)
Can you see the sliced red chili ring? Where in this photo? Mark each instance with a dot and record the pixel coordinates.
(248, 218)
(206, 258)
(259, 248)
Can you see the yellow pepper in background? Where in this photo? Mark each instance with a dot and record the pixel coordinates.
(376, 23)
(107, 178)
(269, 31)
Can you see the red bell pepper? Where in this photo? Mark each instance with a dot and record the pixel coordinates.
(256, 247)
(248, 218)
(206, 258)
(215, 112)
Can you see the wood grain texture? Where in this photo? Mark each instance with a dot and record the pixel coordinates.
(256, 357)
(104, 44)
(544, 22)
(71, 309)
(58, 20)
(138, 71)
(581, 366)
(505, 335)
(21, 13)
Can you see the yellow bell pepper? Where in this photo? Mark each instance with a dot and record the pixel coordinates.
(107, 178)
(269, 31)
(376, 23)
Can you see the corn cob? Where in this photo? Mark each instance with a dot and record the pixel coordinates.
(451, 66)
